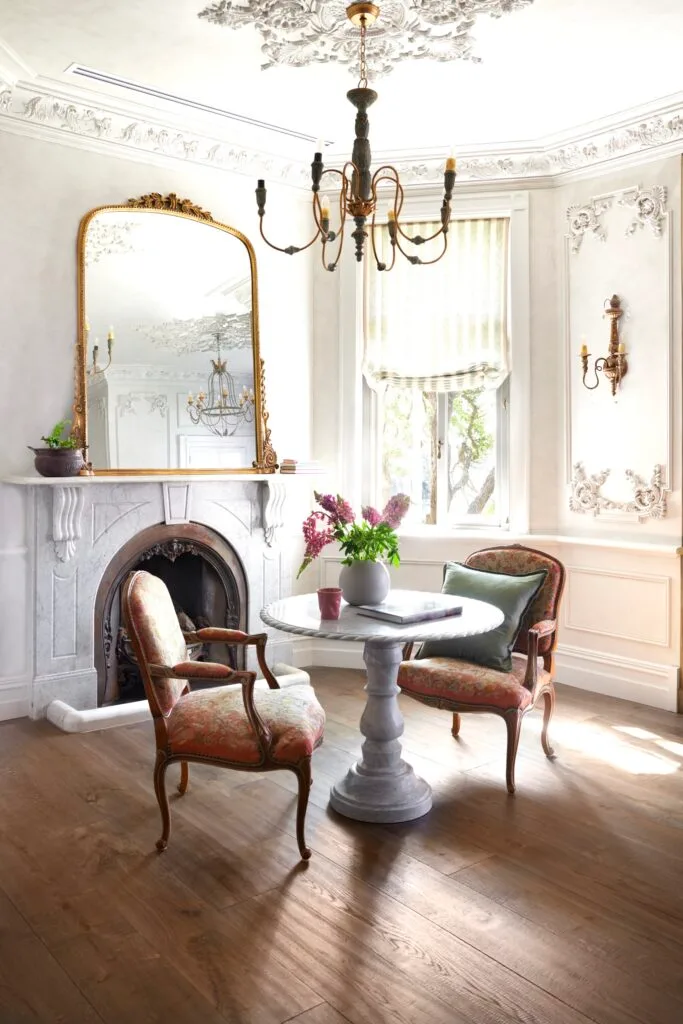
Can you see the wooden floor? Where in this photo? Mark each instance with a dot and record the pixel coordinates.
(561, 905)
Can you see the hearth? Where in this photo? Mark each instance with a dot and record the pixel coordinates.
(207, 584)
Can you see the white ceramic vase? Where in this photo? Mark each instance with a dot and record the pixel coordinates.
(364, 582)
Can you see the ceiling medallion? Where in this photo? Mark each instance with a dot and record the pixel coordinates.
(301, 32)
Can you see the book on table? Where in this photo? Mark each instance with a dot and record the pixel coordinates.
(415, 607)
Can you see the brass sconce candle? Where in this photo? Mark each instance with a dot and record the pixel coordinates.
(96, 369)
(614, 365)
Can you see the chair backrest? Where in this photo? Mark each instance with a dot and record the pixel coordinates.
(517, 560)
(154, 631)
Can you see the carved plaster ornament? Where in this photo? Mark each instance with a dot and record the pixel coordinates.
(156, 403)
(199, 335)
(586, 218)
(648, 502)
(297, 33)
(648, 204)
(106, 238)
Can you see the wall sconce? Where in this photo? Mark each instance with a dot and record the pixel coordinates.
(96, 369)
(614, 365)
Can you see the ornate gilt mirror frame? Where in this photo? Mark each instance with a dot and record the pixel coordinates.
(266, 458)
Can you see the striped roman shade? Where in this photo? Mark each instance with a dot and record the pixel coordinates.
(442, 327)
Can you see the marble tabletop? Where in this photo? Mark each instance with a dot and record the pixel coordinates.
(301, 616)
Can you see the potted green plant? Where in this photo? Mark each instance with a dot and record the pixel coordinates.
(62, 454)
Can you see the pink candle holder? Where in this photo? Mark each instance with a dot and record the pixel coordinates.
(329, 602)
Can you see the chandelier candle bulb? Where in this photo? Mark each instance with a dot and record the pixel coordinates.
(451, 163)
(584, 348)
(621, 348)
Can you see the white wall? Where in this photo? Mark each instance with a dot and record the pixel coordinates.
(47, 188)
(619, 631)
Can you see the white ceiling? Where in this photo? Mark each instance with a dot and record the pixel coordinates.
(546, 69)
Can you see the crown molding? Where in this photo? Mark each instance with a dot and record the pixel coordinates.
(72, 116)
(87, 119)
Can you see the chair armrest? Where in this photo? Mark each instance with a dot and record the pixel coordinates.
(192, 670)
(545, 628)
(213, 670)
(219, 635)
(540, 629)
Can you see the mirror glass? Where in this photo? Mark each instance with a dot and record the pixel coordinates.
(169, 340)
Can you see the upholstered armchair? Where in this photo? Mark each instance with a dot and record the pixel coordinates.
(221, 726)
(461, 686)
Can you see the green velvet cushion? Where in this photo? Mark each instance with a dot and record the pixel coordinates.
(512, 594)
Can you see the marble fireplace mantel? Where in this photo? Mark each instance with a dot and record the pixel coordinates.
(75, 527)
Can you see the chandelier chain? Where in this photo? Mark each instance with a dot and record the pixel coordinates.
(363, 81)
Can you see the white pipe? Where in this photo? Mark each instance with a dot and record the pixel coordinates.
(70, 719)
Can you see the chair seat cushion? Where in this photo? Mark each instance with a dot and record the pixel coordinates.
(464, 682)
(213, 723)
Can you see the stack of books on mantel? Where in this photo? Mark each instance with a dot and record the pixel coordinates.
(295, 466)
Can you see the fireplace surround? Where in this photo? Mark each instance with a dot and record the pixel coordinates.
(82, 533)
(207, 584)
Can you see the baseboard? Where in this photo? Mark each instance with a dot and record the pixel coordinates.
(644, 682)
(641, 681)
(14, 698)
(327, 654)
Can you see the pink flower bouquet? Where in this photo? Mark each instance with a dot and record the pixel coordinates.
(370, 540)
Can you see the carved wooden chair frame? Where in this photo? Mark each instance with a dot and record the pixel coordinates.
(198, 671)
(528, 644)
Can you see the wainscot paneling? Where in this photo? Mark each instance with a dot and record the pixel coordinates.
(619, 626)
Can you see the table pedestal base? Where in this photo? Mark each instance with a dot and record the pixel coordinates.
(381, 786)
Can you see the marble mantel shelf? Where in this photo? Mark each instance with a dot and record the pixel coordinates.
(69, 493)
(152, 478)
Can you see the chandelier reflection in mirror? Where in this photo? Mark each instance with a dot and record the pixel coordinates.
(358, 187)
(220, 408)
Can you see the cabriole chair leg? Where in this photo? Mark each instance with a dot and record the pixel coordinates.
(303, 774)
(184, 777)
(549, 707)
(513, 721)
(455, 728)
(162, 797)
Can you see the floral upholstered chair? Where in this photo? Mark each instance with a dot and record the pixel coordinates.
(461, 686)
(220, 726)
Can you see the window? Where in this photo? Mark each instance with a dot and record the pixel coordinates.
(436, 371)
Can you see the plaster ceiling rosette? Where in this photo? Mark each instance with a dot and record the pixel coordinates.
(297, 33)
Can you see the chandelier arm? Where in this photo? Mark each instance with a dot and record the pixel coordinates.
(429, 238)
(291, 249)
(415, 260)
(339, 238)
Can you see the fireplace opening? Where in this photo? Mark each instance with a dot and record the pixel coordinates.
(208, 587)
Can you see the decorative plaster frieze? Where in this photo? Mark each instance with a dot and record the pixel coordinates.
(296, 34)
(648, 204)
(585, 218)
(648, 502)
(27, 105)
(67, 516)
(156, 403)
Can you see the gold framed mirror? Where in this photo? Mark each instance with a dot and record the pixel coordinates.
(169, 375)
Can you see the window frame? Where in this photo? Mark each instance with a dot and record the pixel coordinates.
(358, 412)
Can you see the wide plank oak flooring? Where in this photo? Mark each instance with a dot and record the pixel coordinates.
(562, 905)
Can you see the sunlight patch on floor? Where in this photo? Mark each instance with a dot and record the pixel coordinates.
(602, 743)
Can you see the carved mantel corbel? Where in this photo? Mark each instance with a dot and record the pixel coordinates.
(273, 498)
(67, 519)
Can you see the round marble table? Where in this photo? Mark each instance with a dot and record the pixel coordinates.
(381, 786)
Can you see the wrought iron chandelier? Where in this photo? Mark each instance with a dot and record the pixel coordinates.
(358, 186)
(220, 408)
